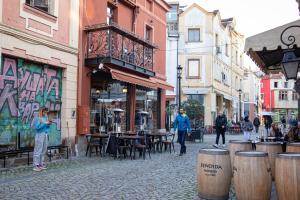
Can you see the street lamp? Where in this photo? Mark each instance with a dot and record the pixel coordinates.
(240, 107)
(290, 63)
(179, 72)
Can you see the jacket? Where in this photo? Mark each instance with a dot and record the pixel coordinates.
(247, 126)
(41, 126)
(256, 121)
(182, 123)
(221, 121)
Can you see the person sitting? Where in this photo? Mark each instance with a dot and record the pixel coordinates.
(293, 133)
(275, 132)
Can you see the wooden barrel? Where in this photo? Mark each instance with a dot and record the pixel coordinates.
(213, 173)
(287, 176)
(252, 175)
(237, 145)
(293, 147)
(272, 148)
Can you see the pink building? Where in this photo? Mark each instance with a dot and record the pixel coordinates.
(38, 51)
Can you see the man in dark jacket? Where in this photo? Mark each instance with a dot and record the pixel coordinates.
(256, 123)
(221, 122)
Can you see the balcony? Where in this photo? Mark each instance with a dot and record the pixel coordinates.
(114, 45)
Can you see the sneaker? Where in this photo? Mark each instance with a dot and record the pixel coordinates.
(223, 145)
(180, 154)
(216, 145)
(37, 169)
(43, 167)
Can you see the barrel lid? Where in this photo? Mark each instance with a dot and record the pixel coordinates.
(294, 144)
(251, 153)
(289, 155)
(240, 142)
(213, 151)
(268, 143)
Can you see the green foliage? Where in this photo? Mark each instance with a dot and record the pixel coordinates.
(194, 109)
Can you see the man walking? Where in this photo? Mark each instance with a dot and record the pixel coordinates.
(182, 122)
(256, 123)
(221, 122)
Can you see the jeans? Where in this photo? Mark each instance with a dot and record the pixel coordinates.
(247, 135)
(256, 129)
(40, 148)
(220, 132)
(181, 140)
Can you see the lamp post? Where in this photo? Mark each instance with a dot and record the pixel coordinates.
(240, 106)
(179, 72)
(290, 62)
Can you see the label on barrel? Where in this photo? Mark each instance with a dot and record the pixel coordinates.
(210, 169)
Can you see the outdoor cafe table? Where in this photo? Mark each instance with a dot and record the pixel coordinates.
(159, 136)
(132, 139)
(101, 136)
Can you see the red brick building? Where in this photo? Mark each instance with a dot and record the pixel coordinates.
(121, 77)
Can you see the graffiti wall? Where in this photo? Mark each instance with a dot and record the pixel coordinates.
(25, 87)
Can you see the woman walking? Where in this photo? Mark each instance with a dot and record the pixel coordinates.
(41, 125)
(247, 128)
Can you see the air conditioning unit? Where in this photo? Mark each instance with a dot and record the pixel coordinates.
(218, 50)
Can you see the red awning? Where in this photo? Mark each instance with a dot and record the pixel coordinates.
(133, 79)
(137, 80)
(163, 84)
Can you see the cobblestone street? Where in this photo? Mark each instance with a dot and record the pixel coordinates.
(165, 176)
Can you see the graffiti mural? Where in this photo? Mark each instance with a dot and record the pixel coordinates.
(24, 87)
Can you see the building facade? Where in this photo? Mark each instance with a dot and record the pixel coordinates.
(211, 54)
(251, 86)
(122, 74)
(38, 53)
(278, 96)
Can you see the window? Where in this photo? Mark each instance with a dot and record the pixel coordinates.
(172, 14)
(194, 35)
(197, 97)
(275, 84)
(148, 33)
(283, 95)
(193, 69)
(43, 5)
(286, 84)
(295, 96)
(227, 50)
(149, 5)
(110, 15)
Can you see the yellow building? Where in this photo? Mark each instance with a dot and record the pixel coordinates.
(211, 54)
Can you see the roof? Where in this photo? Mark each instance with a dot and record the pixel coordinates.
(266, 49)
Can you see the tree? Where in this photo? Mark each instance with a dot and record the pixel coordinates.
(195, 112)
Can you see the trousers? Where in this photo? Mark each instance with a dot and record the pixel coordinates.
(40, 148)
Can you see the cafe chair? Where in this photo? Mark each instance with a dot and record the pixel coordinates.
(169, 142)
(92, 143)
(143, 145)
(122, 147)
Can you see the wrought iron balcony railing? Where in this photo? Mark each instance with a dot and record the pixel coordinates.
(118, 46)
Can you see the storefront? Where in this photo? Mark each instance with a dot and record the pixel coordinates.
(25, 86)
(120, 102)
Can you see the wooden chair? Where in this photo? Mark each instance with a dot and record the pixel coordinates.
(122, 147)
(92, 143)
(143, 145)
(169, 142)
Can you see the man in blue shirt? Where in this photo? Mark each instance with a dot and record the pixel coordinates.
(182, 122)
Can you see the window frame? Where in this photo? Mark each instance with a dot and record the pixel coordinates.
(150, 29)
(50, 4)
(283, 95)
(295, 96)
(188, 69)
(194, 29)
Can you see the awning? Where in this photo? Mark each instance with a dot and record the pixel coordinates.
(195, 90)
(266, 49)
(151, 82)
(163, 84)
(133, 79)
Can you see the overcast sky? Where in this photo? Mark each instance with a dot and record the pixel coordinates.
(253, 16)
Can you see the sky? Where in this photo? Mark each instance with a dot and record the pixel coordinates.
(253, 16)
